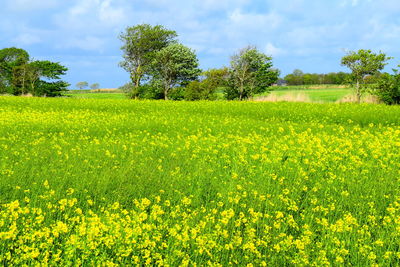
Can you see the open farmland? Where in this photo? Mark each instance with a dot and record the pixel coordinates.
(92, 181)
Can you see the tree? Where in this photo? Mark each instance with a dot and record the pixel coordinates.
(52, 72)
(387, 88)
(175, 65)
(140, 44)
(95, 86)
(82, 85)
(250, 73)
(11, 60)
(363, 63)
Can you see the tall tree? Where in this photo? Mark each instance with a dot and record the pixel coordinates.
(363, 63)
(140, 44)
(250, 73)
(175, 65)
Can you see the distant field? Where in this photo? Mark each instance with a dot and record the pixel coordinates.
(316, 93)
(97, 182)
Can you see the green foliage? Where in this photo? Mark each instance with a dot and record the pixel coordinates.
(363, 63)
(174, 66)
(387, 88)
(250, 73)
(11, 61)
(300, 78)
(150, 90)
(206, 88)
(19, 75)
(140, 44)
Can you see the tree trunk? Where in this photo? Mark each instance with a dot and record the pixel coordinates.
(358, 92)
(166, 89)
(241, 91)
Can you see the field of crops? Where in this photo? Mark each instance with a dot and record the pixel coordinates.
(102, 182)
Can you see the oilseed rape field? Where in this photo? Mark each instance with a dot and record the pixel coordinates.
(119, 182)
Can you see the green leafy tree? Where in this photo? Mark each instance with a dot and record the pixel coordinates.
(363, 63)
(95, 86)
(175, 66)
(82, 85)
(11, 61)
(52, 85)
(140, 45)
(387, 88)
(250, 73)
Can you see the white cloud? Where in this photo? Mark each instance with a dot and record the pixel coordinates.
(254, 20)
(272, 50)
(110, 14)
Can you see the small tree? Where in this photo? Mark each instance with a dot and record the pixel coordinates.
(363, 63)
(175, 65)
(250, 73)
(95, 86)
(82, 85)
(140, 44)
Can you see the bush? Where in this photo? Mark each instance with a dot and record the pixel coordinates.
(388, 88)
(200, 91)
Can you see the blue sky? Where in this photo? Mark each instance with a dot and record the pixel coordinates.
(311, 35)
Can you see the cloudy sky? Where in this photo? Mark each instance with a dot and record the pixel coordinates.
(311, 35)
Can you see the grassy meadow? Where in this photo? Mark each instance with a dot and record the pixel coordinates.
(121, 182)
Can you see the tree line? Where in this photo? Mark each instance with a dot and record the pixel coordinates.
(20, 75)
(300, 78)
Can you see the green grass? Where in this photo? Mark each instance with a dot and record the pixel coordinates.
(97, 95)
(318, 95)
(101, 181)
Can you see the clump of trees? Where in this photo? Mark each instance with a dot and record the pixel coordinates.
(161, 67)
(19, 74)
(83, 85)
(300, 78)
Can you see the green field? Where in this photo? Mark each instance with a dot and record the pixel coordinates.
(108, 181)
(324, 94)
